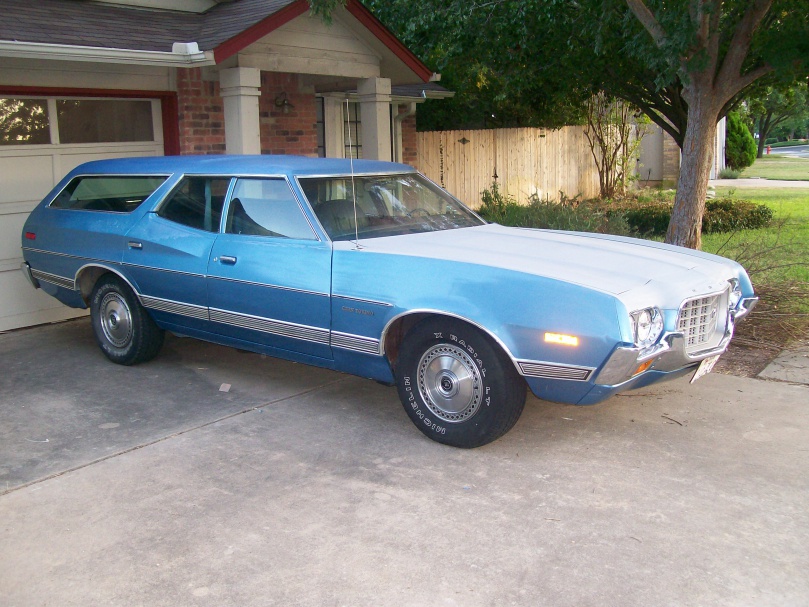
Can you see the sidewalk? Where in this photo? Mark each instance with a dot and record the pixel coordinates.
(757, 182)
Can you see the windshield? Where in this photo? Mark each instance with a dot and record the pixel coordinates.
(387, 205)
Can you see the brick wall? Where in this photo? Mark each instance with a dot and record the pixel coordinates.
(201, 114)
(409, 146)
(291, 132)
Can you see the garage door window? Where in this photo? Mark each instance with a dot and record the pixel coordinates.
(24, 121)
(104, 120)
(32, 121)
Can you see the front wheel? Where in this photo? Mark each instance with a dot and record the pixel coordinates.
(125, 332)
(458, 387)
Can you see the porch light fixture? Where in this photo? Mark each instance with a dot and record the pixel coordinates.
(282, 102)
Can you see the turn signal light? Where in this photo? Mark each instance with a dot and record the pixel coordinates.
(564, 340)
(643, 367)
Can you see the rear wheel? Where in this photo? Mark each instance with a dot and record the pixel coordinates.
(125, 332)
(457, 386)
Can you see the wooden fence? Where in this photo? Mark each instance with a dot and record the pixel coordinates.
(523, 161)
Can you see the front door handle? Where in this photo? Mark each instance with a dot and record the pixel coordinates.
(135, 245)
(227, 259)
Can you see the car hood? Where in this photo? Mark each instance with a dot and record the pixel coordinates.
(610, 264)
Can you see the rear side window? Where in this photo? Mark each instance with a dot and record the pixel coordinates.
(107, 193)
(197, 202)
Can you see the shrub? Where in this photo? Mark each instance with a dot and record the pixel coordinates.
(730, 214)
(566, 214)
(740, 147)
(728, 173)
(721, 215)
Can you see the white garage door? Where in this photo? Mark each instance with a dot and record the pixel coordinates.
(41, 139)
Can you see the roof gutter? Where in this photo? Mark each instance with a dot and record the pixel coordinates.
(184, 54)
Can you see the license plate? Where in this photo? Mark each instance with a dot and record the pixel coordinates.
(705, 367)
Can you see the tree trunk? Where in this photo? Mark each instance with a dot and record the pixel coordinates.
(685, 228)
(761, 138)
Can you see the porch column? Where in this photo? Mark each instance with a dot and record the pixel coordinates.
(374, 94)
(240, 88)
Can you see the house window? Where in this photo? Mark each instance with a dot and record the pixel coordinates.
(352, 130)
(320, 125)
(24, 121)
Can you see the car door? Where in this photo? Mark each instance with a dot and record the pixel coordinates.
(269, 275)
(167, 252)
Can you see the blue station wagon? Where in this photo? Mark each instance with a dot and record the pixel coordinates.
(369, 268)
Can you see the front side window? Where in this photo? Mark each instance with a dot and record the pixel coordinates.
(107, 193)
(266, 207)
(386, 205)
(197, 202)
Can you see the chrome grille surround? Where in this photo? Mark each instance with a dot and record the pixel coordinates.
(702, 321)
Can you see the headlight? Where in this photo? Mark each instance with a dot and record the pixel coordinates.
(735, 294)
(647, 326)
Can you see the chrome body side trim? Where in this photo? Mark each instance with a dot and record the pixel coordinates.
(174, 307)
(358, 343)
(546, 370)
(54, 279)
(268, 285)
(274, 327)
(365, 301)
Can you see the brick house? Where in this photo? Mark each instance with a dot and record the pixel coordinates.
(99, 79)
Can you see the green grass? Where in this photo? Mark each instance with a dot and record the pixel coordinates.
(779, 253)
(779, 167)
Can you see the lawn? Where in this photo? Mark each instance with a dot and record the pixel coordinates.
(778, 253)
(779, 167)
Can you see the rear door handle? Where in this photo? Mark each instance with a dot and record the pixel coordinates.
(227, 259)
(135, 245)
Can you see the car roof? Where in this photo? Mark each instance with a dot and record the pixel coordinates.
(238, 165)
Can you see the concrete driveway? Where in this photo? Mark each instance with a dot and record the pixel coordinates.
(151, 486)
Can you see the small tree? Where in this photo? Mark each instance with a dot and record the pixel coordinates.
(614, 133)
(775, 106)
(740, 147)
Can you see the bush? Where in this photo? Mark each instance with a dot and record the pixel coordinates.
(721, 215)
(566, 214)
(740, 147)
(728, 173)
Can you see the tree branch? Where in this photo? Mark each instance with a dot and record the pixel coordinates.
(648, 21)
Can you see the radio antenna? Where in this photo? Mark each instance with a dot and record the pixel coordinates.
(353, 189)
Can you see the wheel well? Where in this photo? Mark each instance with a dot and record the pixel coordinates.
(400, 327)
(88, 277)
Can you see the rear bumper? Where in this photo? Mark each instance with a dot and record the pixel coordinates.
(29, 276)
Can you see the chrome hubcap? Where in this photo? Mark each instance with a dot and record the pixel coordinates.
(116, 320)
(450, 383)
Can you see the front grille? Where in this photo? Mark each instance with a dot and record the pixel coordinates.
(697, 320)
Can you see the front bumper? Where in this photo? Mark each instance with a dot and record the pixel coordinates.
(667, 356)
